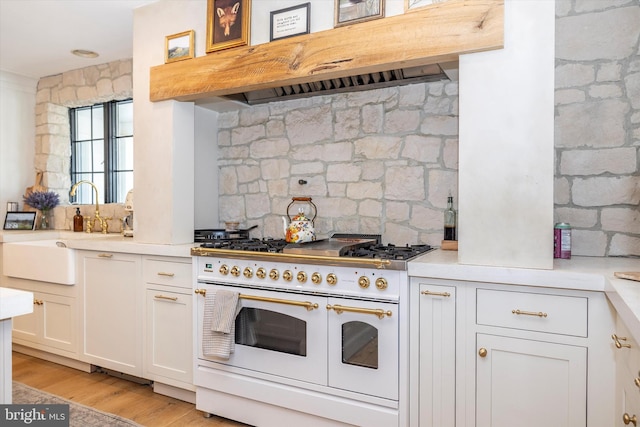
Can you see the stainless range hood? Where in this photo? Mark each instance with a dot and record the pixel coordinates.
(397, 77)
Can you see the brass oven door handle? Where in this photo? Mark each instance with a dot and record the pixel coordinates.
(339, 309)
(306, 304)
(161, 273)
(529, 313)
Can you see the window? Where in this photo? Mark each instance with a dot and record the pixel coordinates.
(102, 151)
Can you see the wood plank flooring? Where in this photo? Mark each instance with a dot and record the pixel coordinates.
(110, 394)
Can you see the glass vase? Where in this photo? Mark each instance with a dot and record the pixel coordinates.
(44, 220)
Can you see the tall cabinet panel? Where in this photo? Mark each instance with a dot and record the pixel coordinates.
(112, 311)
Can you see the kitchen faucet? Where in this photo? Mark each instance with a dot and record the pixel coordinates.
(92, 222)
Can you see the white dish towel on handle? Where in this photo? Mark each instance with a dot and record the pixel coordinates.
(218, 326)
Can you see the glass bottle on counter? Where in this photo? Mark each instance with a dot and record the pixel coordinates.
(450, 220)
(78, 221)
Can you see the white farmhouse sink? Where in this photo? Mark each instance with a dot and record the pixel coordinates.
(42, 260)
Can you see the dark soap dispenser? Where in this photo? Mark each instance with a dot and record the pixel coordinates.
(78, 221)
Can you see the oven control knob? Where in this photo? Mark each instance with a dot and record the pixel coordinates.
(332, 279)
(287, 275)
(381, 283)
(364, 282)
(248, 272)
(302, 276)
(235, 271)
(274, 274)
(261, 273)
(224, 269)
(316, 278)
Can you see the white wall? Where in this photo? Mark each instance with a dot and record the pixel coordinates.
(17, 137)
(506, 144)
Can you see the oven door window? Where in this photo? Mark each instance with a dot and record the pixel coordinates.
(360, 344)
(270, 330)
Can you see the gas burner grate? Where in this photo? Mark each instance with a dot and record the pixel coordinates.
(389, 251)
(251, 245)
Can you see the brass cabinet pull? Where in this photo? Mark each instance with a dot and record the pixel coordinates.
(160, 273)
(38, 302)
(436, 294)
(636, 381)
(482, 352)
(105, 255)
(626, 419)
(376, 311)
(617, 339)
(306, 304)
(529, 313)
(165, 297)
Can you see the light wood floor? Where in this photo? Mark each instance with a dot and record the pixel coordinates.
(110, 394)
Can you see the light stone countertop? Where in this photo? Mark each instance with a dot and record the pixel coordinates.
(14, 302)
(112, 242)
(578, 273)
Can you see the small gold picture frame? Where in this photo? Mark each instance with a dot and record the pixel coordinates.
(349, 12)
(179, 47)
(228, 24)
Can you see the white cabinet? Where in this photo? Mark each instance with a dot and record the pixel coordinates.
(51, 326)
(433, 338)
(627, 376)
(530, 383)
(492, 355)
(112, 310)
(168, 351)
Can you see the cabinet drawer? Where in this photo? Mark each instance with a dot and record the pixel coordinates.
(172, 273)
(555, 314)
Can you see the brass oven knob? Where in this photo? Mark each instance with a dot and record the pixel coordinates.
(287, 275)
(302, 276)
(364, 282)
(381, 283)
(274, 274)
(235, 271)
(316, 278)
(248, 272)
(224, 269)
(261, 273)
(332, 279)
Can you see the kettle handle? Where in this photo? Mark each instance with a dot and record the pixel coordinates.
(302, 199)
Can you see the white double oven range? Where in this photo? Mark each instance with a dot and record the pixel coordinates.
(320, 334)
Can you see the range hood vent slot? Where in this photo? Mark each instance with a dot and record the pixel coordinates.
(399, 77)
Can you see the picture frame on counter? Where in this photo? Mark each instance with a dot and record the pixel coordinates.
(349, 12)
(20, 221)
(290, 22)
(178, 47)
(228, 24)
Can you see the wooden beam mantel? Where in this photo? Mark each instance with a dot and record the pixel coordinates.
(432, 34)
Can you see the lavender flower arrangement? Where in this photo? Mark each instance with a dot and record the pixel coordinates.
(42, 200)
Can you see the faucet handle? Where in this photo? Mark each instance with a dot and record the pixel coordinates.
(89, 226)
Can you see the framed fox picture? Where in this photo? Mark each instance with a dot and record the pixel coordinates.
(227, 24)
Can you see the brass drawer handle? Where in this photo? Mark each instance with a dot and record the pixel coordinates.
(617, 339)
(529, 313)
(160, 273)
(105, 255)
(168, 298)
(436, 294)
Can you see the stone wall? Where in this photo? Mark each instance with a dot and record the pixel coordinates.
(381, 161)
(384, 161)
(55, 95)
(597, 125)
